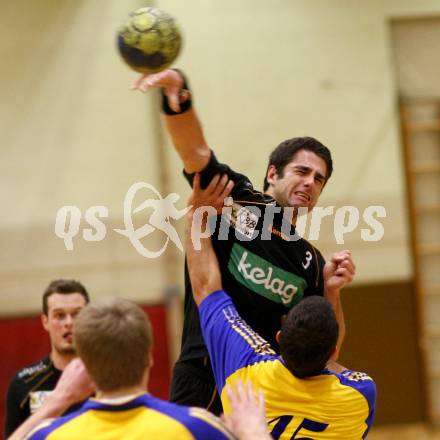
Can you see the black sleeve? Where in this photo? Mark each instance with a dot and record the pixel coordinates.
(15, 415)
(243, 188)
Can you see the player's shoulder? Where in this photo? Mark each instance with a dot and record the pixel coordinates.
(356, 379)
(360, 382)
(352, 376)
(205, 421)
(310, 247)
(28, 372)
(39, 432)
(201, 423)
(246, 195)
(244, 192)
(164, 406)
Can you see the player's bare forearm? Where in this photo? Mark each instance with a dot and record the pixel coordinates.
(334, 299)
(184, 128)
(339, 271)
(203, 268)
(50, 409)
(188, 139)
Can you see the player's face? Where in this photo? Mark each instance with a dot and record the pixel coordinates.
(62, 310)
(301, 182)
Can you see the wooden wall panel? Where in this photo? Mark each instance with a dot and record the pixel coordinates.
(382, 341)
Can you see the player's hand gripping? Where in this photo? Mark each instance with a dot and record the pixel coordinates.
(338, 271)
(213, 195)
(172, 83)
(74, 384)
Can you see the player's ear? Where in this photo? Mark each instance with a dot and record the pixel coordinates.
(44, 321)
(272, 174)
(278, 336)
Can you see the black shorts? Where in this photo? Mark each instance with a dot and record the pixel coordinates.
(193, 384)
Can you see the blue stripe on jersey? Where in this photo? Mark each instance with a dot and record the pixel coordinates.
(199, 426)
(231, 343)
(41, 434)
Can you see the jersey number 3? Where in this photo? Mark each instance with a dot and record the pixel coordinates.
(309, 425)
(309, 257)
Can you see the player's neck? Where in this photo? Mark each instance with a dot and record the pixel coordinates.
(130, 391)
(294, 214)
(120, 393)
(60, 360)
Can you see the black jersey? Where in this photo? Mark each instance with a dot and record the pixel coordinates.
(265, 276)
(27, 391)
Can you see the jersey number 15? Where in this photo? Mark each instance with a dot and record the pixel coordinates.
(283, 421)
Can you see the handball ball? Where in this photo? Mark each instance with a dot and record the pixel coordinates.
(149, 40)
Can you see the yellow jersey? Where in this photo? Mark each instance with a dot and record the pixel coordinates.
(144, 417)
(326, 406)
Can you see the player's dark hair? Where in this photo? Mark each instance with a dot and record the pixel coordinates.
(285, 152)
(64, 287)
(309, 336)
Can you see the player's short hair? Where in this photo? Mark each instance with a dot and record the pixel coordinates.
(285, 152)
(308, 336)
(63, 287)
(113, 337)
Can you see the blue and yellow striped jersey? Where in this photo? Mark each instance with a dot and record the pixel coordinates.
(138, 419)
(326, 406)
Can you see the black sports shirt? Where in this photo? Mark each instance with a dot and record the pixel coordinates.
(27, 391)
(264, 276)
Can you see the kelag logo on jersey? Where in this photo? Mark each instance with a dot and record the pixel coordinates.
(264, 278)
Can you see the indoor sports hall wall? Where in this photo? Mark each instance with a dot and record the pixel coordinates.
(73, 134)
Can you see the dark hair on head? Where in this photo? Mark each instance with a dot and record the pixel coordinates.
(63, 287)
(284, 153)
(309, 336)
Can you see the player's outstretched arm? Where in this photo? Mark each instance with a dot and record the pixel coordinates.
(184, 127)
(203, 268)
(74, 386)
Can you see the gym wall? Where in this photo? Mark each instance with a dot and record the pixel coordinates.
(72, 133)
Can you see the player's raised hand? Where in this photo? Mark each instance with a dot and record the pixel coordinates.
(74, 384)
(248, 415)
(339, 271)
(170, 80)
(203, 267)
(213, 195)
